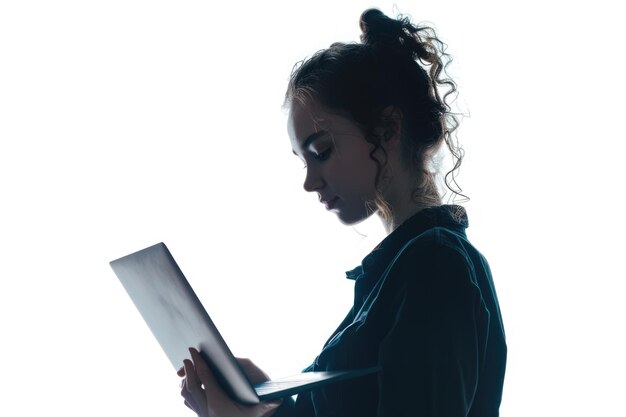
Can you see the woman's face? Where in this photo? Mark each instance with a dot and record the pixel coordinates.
(337, 159)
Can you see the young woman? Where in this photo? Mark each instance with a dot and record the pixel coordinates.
(367, 120)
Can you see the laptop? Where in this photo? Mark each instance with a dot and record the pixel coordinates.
(179, 321)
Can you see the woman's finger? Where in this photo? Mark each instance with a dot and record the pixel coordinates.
(188, 405)
(192, 390)
(204, 375)
(188, 400)
(268, 407)
(191, 378)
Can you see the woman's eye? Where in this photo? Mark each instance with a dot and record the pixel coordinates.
(321, 156)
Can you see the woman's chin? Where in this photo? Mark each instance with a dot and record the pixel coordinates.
(351, 219)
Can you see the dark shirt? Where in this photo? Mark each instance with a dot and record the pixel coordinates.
(425, 311)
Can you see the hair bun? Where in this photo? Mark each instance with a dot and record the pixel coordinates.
(377, 27)
(398, 35)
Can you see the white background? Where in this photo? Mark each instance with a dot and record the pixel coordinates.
(126, 123)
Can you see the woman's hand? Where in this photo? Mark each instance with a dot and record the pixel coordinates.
(203, 394)
(254, 373)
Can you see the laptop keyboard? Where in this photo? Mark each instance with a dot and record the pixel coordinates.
(285, 383)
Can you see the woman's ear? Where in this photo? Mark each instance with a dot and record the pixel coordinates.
(391, 126)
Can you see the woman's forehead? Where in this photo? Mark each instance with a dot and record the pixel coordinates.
(304, 120)
(308, 117)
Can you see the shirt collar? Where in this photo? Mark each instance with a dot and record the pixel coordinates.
(449, 216)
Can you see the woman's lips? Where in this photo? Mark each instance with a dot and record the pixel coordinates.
(330, 203)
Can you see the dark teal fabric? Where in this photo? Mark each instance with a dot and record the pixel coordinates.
(426, 311)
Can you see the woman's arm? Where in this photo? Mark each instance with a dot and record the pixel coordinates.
(432, 356)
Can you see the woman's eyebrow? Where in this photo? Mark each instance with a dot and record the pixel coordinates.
(312, 138)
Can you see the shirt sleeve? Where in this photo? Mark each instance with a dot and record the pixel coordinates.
(431, 357)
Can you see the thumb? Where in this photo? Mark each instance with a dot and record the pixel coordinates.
(268, 408)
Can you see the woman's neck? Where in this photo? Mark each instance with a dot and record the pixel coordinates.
(400, 215)
(405, 195)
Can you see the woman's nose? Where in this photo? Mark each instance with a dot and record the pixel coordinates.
(313, 180)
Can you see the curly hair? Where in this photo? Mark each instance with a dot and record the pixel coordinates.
(397, 65)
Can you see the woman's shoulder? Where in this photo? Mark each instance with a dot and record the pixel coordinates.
(437, 241)
(439, 253)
